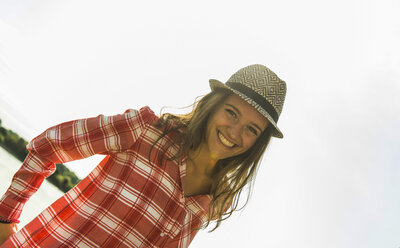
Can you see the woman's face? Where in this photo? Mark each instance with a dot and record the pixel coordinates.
(233, 128)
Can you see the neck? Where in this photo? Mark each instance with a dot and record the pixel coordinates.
(203, 161)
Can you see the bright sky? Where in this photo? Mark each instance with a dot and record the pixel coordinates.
(333, 181)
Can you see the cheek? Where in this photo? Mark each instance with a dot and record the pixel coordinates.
(248, 142)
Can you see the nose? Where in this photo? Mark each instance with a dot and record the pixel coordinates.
(236, 132)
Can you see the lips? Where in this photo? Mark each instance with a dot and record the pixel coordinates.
(225, 141)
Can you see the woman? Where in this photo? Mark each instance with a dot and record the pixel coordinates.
(162, 179)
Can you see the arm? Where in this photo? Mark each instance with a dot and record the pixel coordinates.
(83, 138)
(66, 142)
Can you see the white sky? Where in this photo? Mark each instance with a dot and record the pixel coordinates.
(333, 181)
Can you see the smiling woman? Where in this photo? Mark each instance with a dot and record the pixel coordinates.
(163, 178)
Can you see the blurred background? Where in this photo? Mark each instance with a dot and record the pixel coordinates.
(333, 181)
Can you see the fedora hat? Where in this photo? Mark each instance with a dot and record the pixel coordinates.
(261, 88)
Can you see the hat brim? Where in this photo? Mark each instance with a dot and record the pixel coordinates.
(214, 84)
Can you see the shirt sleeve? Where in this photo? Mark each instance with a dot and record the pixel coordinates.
(66, 142)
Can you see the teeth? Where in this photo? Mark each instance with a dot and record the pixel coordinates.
(225, 141)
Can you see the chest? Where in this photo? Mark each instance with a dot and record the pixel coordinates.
(196, 183)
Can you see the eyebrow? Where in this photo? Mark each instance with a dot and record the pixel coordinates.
(237, 110)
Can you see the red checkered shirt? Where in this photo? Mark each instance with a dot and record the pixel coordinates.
(124, 202)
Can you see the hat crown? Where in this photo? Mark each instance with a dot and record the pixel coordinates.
(264, 82)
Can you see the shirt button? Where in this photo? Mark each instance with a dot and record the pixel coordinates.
(162, 234)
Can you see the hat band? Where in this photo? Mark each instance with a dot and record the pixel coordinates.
(260, 100)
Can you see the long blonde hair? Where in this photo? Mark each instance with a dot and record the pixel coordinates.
(233, 173)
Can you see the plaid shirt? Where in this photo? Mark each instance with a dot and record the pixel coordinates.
(124, 202)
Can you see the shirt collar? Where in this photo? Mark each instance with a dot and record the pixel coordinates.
(197, 204)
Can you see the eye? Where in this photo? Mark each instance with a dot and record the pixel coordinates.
(231, 113)
(252, 130)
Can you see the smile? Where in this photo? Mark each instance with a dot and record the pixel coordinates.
(225, 141)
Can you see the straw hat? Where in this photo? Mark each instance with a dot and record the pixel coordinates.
(260, 87)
